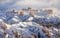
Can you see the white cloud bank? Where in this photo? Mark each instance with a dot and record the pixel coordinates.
(31, 3)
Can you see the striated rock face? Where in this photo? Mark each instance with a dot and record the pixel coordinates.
(17, 24)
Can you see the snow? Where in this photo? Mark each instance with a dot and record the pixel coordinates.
(27, 25)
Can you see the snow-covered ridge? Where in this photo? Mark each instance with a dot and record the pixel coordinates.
(31, 23)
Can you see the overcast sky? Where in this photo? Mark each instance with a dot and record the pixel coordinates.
(10, 4)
